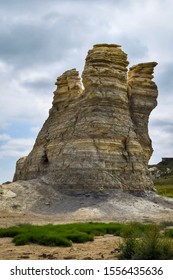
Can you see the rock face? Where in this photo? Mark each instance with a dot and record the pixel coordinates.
(96, 137)
(142, 93)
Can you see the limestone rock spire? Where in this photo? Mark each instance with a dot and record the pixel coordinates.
(105, 73)
(68, 88)
(142, 93)
(96, 137)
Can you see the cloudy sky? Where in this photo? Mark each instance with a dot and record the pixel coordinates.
(40, 39)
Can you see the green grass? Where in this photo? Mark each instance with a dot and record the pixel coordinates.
(140, 241)
(164, 186)
(65, 235)
(59, 235)
(169, 233)
(166, 190)
(152, 246)
(163, 181)
(165, 224)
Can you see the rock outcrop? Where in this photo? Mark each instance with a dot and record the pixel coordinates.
(142, 93)
(96, 136)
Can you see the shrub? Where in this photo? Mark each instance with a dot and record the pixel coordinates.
(135, 229)
(165, 224)
(128, 248)
(149, 247)
(169, 233)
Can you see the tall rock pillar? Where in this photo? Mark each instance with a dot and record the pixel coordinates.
(96, 137)
(142, 93)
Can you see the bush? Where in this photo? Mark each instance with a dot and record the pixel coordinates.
(169, 233)
(149, 247)
(128, 248)
(165, 224)
(135, 229)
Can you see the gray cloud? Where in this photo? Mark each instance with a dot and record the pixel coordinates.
(164, 79)
(41, 39)
(134, 47)
(42, 85)
(164, 124)
(16, 148)
(27, 44)
(45, 33)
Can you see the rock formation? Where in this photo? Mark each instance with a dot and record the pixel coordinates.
(142, 93)
(96, 136)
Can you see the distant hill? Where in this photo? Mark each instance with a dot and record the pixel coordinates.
(162, 175)
(163, 169)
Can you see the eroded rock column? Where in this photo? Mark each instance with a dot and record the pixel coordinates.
(142, 93)
(96, 138)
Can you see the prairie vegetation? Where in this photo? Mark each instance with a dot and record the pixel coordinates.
(164, 186)
(139, 241)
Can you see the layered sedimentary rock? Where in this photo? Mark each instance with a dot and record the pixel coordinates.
(142, 93)
(96, 137)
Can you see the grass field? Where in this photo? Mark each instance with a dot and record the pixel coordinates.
(65, 235)
(140, 241)
(164, 186)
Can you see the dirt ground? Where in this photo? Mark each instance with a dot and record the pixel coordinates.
(102, 248)
(49, 205)
(35, 202)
